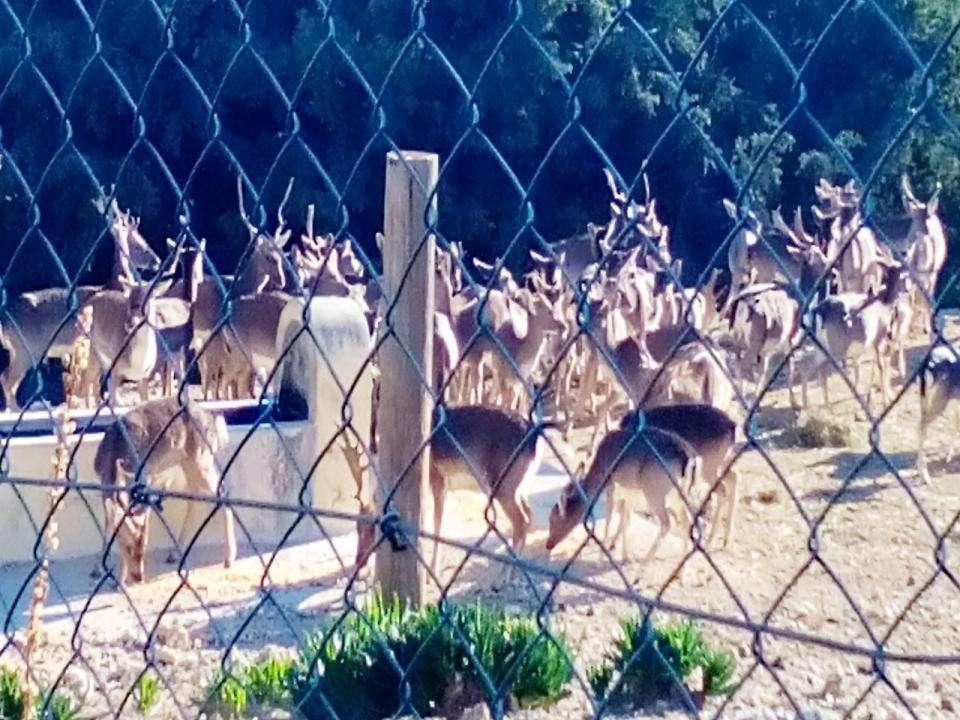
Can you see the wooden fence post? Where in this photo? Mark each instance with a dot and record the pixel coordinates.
(405, 408)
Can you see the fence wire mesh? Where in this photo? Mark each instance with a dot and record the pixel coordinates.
(230, 386)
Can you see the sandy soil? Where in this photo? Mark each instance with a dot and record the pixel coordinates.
(833, 576)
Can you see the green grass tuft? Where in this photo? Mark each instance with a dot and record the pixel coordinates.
(647, 664)
(268, 682)
(11, 695)
(147, 693)
(419, 660)
(59, 707)
(229, 695)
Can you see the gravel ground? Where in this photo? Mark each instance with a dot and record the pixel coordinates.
(873, 578)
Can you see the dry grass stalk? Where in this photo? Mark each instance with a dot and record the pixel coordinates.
(65, 426)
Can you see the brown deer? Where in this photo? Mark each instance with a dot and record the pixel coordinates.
(143, 447)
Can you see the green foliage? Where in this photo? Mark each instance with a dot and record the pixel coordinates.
(859, 85)
(147, 693)
(268, 682)
(11, 695)
(648, 664)
(230, 697)
(59, 707)
(62, 708)
(265, 684)
(441, 661)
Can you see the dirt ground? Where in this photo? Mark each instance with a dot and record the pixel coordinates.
(833, 577)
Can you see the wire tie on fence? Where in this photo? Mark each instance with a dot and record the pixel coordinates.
(142, 495)
(941, 555)
(390, 529)
(879, 664)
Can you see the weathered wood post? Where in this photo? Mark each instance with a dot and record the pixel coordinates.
(406, 360)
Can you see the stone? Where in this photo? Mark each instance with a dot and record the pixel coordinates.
(480, 711)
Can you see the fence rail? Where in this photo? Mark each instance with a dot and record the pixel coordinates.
(488, 388)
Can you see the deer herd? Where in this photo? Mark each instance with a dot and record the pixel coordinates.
(597, 347)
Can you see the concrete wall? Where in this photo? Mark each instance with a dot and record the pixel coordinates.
(267, 464)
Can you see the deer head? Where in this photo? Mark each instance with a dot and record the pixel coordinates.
(131, 250)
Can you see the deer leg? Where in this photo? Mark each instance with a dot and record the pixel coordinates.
(664, 519)
(824, 381)
(110, 523)
(956, 423)
(229, 537)
(10, 381)
(921, 439)
(175, 552)
(438, 489)
(513, 508)
(792, 381)
(886, 380)
(731, 487)
(623, 515)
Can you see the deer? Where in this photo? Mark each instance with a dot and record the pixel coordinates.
(852, 324)
(263, 271)
(939, 385)
(33, 327)
(755, 257)
(515, 352)
(715, 437)
(653, 461)
(244, 349)
(497, 449)
(125, 335)
(851, 244)
(150, 446)
(765, 320)
(927, 248)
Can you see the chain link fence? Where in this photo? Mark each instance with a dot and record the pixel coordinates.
(391, 452)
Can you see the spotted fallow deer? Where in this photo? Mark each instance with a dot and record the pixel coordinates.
(155, 445)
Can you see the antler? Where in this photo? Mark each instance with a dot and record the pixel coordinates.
(251, 228)
(780, 224)
(286, 196)
(612, 184)
(354, 460)
(309, 227)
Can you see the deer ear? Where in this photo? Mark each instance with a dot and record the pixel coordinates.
(731, 208)
(519, 318)
(611, 182)
(933, 204)
(168, 312)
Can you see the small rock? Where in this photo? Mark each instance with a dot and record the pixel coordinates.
(912, 684)
(480, 711)
(169, 655)
(695, 680)
(946, 704)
